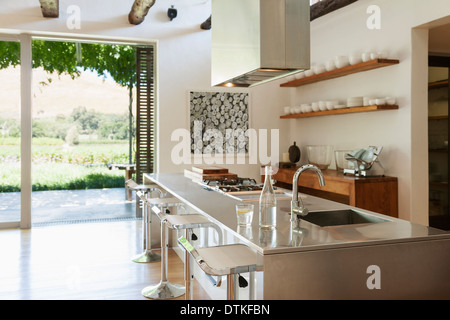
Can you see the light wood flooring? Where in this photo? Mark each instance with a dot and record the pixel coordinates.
(89, 261)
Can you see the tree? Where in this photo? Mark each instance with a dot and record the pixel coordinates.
(115, 61)
(87, 119)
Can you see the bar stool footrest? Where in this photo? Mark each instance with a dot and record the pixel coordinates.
(147, 256)
(163, 290)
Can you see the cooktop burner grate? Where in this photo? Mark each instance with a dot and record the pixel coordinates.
(233, 185)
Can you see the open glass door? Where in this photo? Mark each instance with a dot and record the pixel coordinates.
(10, 133)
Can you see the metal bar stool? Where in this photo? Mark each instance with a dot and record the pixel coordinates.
(164, 289)
(187, 223)
(131, 185)
(143, 192)
(226, 260)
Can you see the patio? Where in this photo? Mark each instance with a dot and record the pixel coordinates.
(70, 206)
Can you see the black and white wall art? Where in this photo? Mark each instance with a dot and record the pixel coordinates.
(219, 122)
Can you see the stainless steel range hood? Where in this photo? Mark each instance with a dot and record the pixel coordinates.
(256, 41)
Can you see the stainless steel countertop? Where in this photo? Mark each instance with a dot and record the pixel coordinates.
(221, 209)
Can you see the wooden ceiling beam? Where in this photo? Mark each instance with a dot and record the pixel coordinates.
(139, 10)
(50, 8)
(324, 7)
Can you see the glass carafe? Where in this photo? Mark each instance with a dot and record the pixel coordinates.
(268, 203)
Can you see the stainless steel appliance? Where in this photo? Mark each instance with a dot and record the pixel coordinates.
(365, 162)
(242, 189)
(255, 41)
(232, 185)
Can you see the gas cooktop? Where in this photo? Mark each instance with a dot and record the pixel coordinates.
(233, 185)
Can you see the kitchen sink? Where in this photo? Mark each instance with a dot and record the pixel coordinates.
(340, 217)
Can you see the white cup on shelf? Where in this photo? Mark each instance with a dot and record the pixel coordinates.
(322, 106)
(365, 56)
(354, 59)
(287, 110)
(315, 106)
(380, 102)
(330, 65)
(391, 101)
(309, 73)
(341, 61)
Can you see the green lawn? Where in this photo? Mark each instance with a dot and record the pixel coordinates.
(79, 154)
(58, 167)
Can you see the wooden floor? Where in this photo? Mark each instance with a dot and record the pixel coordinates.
(89, 261)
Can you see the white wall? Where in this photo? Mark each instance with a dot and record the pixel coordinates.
(184, 58)
(403, 132)
(184, 64)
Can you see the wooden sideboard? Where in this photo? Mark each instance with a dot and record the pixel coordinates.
(377, 194)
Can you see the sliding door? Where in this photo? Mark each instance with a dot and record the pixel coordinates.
(16, 119)
(10, 133)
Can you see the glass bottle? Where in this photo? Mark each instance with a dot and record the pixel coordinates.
(268, 203)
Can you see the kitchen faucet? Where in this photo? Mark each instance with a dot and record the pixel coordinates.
(297, 207)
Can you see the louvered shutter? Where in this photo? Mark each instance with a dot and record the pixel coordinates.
(145, 113)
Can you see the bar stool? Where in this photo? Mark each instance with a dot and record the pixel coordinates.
(143, 192)
(187, 223)
(164, 289)
(131, 185)
(226, 260)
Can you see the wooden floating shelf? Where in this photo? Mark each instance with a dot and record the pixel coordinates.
(438, 84)
(438, 117)
(360, 67)
(340, 111)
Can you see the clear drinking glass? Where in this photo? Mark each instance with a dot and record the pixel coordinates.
(244, 214)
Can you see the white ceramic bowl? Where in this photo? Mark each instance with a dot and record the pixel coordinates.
(391, 101)
(307, 109)
(322, 105)
(318, 69)
(315, 107)
(341, 61)
(365, 56)
(298, 109)
(320, 156)
(373, 56)
(309, 73)
(380, 102)
(287, 110)
(330, 65)
(367, 101)
(331, 104)
(354, 59)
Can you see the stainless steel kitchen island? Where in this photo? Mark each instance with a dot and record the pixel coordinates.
(379, 258)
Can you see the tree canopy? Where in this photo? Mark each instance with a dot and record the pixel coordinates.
(116, 61)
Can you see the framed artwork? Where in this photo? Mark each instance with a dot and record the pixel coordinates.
(219, 122)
